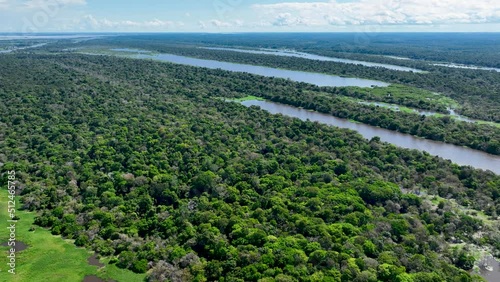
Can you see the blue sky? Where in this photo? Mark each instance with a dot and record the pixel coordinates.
(248, 16)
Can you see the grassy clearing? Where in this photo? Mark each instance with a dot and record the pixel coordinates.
(407, 92)
(48, 257)
(111, 271)
(489, 123)
(109, 52)
(243, 99)
(406, 110)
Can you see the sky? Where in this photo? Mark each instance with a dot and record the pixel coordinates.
(225, 16)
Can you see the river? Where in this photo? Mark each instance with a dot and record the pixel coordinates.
(299, 76)
(290, 53)
(457, 154)
(493, 273)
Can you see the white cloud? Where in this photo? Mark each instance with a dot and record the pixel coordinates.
(90, 22)
(220, 24)
(217, 23)
(202, 25)
(44, 5)
(287, 19)
(41, 4)
(380, 12)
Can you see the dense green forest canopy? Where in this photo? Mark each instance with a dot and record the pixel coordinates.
(476, 90)
(138, 161)
(483, 137)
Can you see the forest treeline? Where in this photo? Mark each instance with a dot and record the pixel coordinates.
(136, 160)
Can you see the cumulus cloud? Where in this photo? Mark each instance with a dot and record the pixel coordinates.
(383, 12)
(91, 22)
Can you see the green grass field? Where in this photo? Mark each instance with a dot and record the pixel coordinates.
(239, 100)
(49, 258)
(110, 52)
(489, 123)
(247, 98)
(408, 93)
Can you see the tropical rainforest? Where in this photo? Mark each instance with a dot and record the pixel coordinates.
(145, 164)
(475, 92)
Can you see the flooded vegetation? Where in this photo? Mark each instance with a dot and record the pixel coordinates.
(94, 260)
(19, 247)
